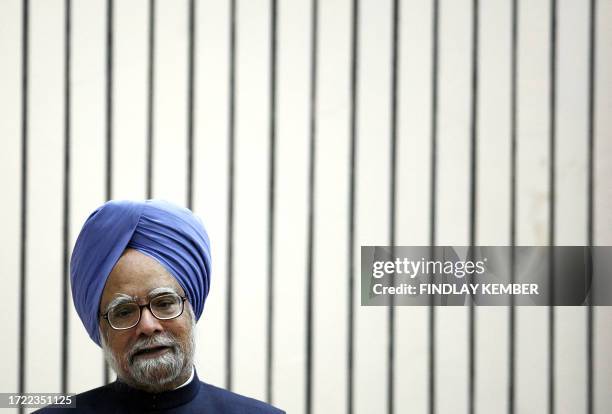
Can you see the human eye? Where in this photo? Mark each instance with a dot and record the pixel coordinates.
(165, 301)
(166, 304)
(123, 311)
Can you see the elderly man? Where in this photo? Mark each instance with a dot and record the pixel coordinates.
(140, 274)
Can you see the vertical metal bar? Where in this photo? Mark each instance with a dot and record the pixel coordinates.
(591, 194)
(513, 201)
(230, 195)
(433, 199)
(150, 96)
(271, 202)
(474, 125)
(25, 62)
(109, 98)
(311, 203)
(109, 120)
(66, 201)
(473, 199)
(190, 100)
(350, 354)
(552, 210)
(393, 200)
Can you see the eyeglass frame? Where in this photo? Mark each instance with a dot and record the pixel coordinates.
(148, 306)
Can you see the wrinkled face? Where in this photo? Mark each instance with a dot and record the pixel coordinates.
(155, 355)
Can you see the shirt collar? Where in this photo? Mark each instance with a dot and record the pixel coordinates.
(189, 380)
(145, 401)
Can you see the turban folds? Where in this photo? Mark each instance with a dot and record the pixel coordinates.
(172, 235)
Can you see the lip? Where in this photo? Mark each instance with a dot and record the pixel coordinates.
(155, 352)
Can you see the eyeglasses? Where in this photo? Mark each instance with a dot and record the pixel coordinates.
(163, 307)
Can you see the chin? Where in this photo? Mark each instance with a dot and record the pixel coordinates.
(156, 374)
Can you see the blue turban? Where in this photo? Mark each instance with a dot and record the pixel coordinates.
(172, 235)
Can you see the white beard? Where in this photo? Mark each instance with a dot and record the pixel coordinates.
(154, 374)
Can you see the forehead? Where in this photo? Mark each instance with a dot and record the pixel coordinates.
(137, 274)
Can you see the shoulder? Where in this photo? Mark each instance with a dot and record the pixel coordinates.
(227, 401)
(86, 402)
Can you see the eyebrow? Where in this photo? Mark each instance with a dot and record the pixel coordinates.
(160, 291)
(122, 298)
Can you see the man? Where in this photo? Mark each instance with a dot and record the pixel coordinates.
(140, 274)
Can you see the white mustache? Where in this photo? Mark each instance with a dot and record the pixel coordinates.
(152, 342)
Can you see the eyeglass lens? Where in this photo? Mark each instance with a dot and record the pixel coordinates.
(163, 307)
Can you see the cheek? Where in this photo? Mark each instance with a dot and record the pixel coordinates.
(119, 345)
(180, 330)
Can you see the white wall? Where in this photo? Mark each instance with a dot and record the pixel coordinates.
(45, 169)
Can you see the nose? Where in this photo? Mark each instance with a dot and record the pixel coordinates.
(148, 324)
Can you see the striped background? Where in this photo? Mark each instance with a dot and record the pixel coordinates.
(300, 130)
